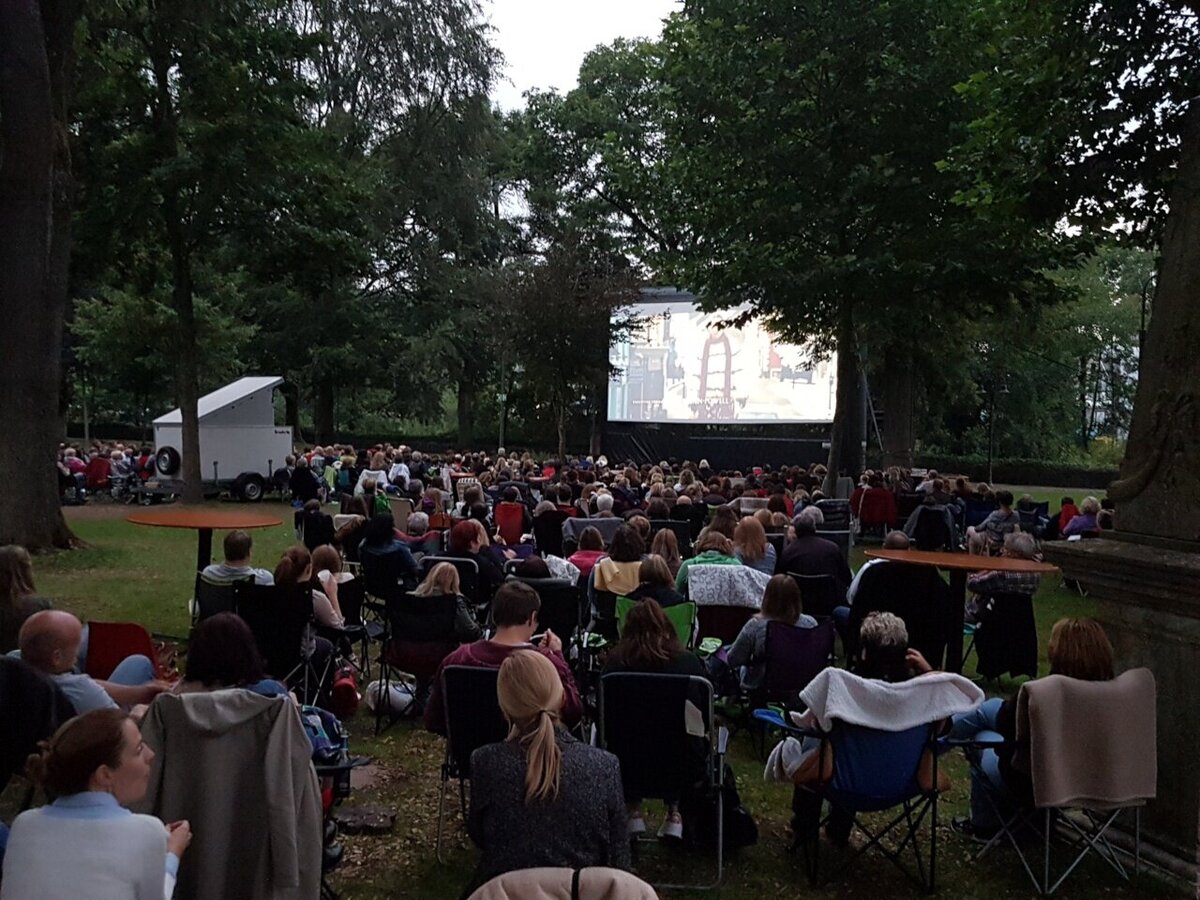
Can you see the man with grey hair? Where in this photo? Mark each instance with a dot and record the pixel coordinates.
(809, 554)
(604, 505)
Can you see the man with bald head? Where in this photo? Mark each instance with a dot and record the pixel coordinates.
(49, 642)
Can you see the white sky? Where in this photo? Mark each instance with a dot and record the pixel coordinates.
(544, 41)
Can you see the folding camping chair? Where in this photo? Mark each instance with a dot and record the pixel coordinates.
(469, 584)
(818, 593)
(278, 618)
(681, 615)
(874, 771)
(473, 719)
(683, 534)
(111, 642)
(1061, 718)
(655, 725)
(419, 635)
(213, 596)
(547, 532)
(793, 657)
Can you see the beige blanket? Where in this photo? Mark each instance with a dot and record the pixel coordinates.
(555, 884)
(1092, 744)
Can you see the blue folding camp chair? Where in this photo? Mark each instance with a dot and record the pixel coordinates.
(874, 771)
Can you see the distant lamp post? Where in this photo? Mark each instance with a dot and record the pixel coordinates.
(998, 385)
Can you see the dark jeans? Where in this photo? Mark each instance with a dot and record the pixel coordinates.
(806, 818)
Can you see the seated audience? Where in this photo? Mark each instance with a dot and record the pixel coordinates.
(810, 554)
(295, 570)
(49, 641)
(1086, 520)
(649, 644)
(236, 567)
(656, 582)
(750, 545)
(641, 525)
(604, 505)
(442, 581)
(591, 551)
(87, 843)
(515, 615)
(1018, 545)
(469, 540)
(376, 475)
(781, 602)
(542, 798)
(314, 527)
(222, 654)
(1000, 522)
(712, 549)
(327, 563)
(665, 544)
(617, 573)
(1078, 648)
(381, 550)
(18, 599)
(724, 521)
(304, 483)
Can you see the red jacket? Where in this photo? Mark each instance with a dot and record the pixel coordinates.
(489, 655)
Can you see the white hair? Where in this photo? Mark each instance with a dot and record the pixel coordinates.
(604, 502)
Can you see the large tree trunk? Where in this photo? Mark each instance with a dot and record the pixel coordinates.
(323, 417)
(845, 441)
(187, 362)
(466, 409)
(896, 396)
(35, 206)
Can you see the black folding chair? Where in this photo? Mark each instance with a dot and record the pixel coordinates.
(683, 534)
(213, 596)
(419, 635)
(359, 629)
(548, 532)
(560, 605)
(473, 719)
(469, 582)
(647, 721)
(818, 593)
(278, 618)
(1005, 638)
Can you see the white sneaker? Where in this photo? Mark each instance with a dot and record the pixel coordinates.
(672, 827)
(635, 825)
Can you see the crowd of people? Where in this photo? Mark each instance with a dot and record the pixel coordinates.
(545, 796)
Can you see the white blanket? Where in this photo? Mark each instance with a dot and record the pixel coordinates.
(713, 585)
(839, 695)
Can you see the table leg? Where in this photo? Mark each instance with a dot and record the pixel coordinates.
(954, 620)
(204, 548)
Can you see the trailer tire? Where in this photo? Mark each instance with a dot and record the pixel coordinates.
(167, 461)
(249, 487)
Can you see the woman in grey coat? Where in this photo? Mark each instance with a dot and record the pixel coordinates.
(542, 798)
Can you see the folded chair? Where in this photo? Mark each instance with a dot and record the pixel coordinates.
(661, 728)
(419, 635)
(473, 719)
(1090, 750)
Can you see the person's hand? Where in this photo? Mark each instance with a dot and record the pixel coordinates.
(917, 661)
(510, 554)
(179, 835)
(152, 689)
(552, 641)
(138, 712)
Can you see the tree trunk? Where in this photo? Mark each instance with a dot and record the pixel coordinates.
(323, 417)
(845, 440)
(560, 420)
(466, 410)
(35, 206)
(897, 399)
(1083, 411)
(187, 363)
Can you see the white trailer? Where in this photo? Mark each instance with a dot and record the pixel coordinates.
(240, 444)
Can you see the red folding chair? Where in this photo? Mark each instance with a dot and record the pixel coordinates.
(510, 520)
(111, 642)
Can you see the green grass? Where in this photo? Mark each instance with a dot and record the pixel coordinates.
(145, 575)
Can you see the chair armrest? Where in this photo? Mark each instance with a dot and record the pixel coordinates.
(776, 720)
(722, 740)
(325, 770)
(951, 743)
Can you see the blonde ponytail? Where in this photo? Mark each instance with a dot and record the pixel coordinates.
(531, 695)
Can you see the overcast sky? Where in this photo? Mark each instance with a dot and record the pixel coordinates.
(544, 41)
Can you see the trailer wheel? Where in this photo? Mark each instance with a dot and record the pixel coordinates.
(166, 460)
(249, 487)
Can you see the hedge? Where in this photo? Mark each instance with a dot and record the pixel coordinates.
(1021, 471)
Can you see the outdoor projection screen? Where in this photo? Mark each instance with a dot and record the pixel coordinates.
(680, 367)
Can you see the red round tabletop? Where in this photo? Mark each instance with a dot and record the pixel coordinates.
(203, 521)
(203, 518)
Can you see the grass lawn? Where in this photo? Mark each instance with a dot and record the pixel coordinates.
(145, 575)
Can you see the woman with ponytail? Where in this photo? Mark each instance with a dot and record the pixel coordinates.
(87, 843)
(542, 798)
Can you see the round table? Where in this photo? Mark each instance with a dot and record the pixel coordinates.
(204, 521)
(958, 565)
